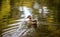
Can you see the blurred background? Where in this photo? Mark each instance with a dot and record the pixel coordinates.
(46, 11)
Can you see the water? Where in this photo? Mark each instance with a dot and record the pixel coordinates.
(27, 11)
(23, 30)
(22, 27)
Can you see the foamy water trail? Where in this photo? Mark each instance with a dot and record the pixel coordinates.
(21, 25)
(27, 11)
